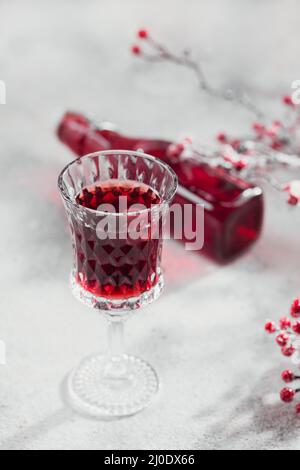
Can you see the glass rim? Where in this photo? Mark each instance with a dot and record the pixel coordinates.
(166, 201)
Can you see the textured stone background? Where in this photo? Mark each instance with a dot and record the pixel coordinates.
(220, 375)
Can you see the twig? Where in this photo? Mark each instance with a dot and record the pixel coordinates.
(163, 54)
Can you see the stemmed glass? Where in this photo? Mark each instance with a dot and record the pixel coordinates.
(117, 267)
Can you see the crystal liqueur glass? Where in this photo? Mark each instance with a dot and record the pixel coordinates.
(116, 203)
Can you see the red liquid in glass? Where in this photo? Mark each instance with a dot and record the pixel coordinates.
(116, 268)
(234, 208)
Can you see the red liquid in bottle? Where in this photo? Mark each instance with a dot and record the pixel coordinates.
(119, 267)
(234, 208)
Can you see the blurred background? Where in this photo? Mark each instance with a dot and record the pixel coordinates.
(203, 336)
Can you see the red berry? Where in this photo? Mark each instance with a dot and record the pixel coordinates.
(136, 50)
(259, 128)
(288, 376)
(180, 147)
(277, 144)
(293, 200)
(298, 409)
(288, 352)
(222, 138)
(295, 309)
(143, 34)
(270, 327)
(285, 323)
(271, 132)
(296, 328)
(236, 143)
(288, 100)
(240, 165)
(287, 395)
(282, 339)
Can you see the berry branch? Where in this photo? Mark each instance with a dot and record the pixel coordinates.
(253, 161)
(269, 147)
(287, 337)
(160, 53)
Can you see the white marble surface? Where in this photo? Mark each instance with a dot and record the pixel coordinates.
(219, 373)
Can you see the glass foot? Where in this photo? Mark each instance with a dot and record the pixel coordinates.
(104, 388)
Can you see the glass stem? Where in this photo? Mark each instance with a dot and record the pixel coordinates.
(116, 339)
(116, 369)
